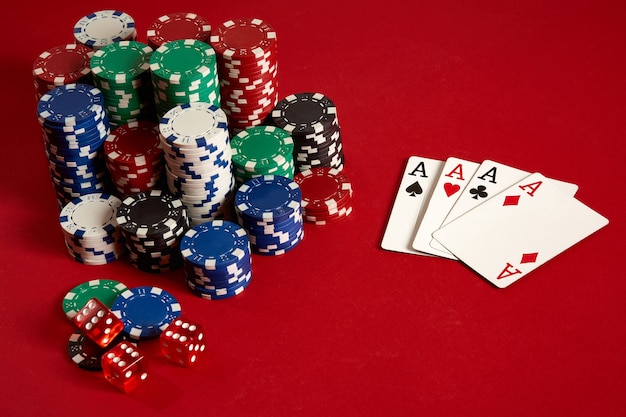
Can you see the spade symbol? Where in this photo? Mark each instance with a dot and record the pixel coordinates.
(479, 192)
(414, 189)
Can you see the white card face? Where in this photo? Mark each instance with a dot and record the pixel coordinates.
(416, 186)
(455, 174)
(518, 230)
(490, 179)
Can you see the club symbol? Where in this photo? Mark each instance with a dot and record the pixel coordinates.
(479, 192)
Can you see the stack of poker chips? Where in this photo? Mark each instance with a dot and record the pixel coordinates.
(121, 71)
(262, 150)
(184, 71)
(176, 26)
(104, 27)
(90, 229)
(134, 157)
(152, 224)
(269, 209)
(326, 195)
(217, 258)
(74, 124)
(311, 118)
(195, 142)
(61, 65)
(248, 68)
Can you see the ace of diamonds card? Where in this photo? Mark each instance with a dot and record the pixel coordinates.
(518, 230)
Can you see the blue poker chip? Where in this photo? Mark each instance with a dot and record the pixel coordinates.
(146, 311)
(220, 293)
(268, 198)
(215, 244)
(70, 105)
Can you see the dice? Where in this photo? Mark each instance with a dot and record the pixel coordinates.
(182, 342)
(124, 366)
(98, 323)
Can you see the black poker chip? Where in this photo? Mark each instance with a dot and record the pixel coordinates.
(152, 224)
(85, 353)
(311, 119)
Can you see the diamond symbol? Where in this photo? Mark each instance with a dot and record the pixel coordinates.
(529, 257)
(511, 200)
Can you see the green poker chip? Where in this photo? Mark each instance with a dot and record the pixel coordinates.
(105, 290)
(183, 61)
(259, 149)
(121, 62)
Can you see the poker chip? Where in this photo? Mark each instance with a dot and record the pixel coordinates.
(195, 142)
(152, 224)
(85, 353)
(105, 290)
(248, 67)
(61, 65)
(104, 27)
(177, 26)
(326, 195)
(74, 125)
(262, 150)
(269, 208)
(217, 258)
(121, 71)
(90, 229)
(311, 119)
(145, 311)
(184, 71)
(134, 157)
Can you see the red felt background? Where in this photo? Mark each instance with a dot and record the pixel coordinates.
(340, 327)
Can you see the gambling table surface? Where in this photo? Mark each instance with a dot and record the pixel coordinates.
(339, 326)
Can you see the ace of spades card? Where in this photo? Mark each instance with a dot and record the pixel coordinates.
(412, 197)
(518, 230)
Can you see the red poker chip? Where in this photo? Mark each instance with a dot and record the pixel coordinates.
(177, 26)
(62, 64)
(243, 39)
(134, 144)
(324, 190)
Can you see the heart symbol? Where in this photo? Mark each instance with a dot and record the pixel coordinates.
(451, 188)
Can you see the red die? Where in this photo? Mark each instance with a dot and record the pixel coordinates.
(98, 322)
(182, 342)
(124, 366)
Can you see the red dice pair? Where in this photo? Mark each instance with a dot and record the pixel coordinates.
(123, 365)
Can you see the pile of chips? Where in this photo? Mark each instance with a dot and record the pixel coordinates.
(311, 119)
(269, 209)
(217, 258)
(134, 157)
(184, 71)
(121, 71)
(152, 224)
(195, 143)
(90, 229)
(326, 195)
(176, 26)
(103, 28)
(248, 68)
(262, 150)
(61, 65)
(75, 125)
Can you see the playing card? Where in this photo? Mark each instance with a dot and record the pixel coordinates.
(491, 178)
(518, 230)
(454, 176)
(412, 198)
